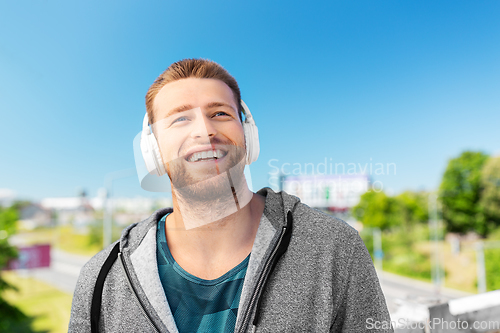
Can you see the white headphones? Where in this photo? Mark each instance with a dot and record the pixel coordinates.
(151, 151)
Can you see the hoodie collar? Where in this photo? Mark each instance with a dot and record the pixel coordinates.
(133, 235)
(277, 206)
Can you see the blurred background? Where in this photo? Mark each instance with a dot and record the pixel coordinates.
(383, 113)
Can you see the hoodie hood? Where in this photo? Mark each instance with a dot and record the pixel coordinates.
(277, 206)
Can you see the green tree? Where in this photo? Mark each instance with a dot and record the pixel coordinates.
(375, 209)
(412, 208)
(490, 196)
(11, 318)
(460, 192)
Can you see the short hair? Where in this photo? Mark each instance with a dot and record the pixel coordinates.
(197, 68)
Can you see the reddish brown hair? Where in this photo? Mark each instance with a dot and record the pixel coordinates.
(197, 68)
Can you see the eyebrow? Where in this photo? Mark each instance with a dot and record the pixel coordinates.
(178, 109)
(186, 107)
(218, 104)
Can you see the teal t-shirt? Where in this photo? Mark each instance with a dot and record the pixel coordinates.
(199, 305)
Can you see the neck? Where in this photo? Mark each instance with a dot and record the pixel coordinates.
(222, 207)
(213, 229)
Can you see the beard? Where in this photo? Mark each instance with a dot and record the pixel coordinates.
(215, 183)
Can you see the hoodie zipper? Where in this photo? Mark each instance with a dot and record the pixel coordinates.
(144, 312)
(258, 290)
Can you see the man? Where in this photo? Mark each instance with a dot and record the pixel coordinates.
(223, 259)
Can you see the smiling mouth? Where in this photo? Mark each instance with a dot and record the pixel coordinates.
(207, 155)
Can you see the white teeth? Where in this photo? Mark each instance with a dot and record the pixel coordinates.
(208, 154)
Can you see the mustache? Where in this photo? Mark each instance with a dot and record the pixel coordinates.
(212, 141)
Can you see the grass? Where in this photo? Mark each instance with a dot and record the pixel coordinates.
(50, 306)
(70, 241)
(66, 239)
(409, 252)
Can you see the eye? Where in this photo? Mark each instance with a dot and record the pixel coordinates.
(222, 113)
(180, 119)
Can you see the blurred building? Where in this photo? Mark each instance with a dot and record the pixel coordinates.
(131, 205)
(130, 210)
(71, 210)
(34, 215)
(335, 194)
(81, 211)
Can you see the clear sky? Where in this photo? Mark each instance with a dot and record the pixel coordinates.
(413, 83)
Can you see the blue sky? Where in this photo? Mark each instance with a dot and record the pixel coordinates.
(412, 83)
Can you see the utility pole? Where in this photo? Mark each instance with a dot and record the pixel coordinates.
(435, 234)
(480, 262)
(481, 271)
(377, 249)
(108, 203)
(281, 180)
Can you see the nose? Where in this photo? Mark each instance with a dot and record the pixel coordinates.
(203, 127)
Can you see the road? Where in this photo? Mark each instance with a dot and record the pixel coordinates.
(398, 290)
(63, 271)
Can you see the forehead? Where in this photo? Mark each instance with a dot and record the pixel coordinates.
(195, 92)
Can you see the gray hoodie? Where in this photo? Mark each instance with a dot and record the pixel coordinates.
(324, 281)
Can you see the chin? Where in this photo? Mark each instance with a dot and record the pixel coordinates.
(213, 189)
(208, 184)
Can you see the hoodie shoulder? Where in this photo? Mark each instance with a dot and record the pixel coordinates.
(84, 290)
(323, 220)
(82, 298)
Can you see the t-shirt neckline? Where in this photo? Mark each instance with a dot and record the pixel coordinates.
(189, 276)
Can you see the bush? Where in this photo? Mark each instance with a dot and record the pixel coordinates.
(492, 263)
(11, 318)
(401, 255)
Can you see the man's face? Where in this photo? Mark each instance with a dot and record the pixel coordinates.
(200, 135)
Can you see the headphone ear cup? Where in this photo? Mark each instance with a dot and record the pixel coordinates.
(151, 153)
(155, 151)
(147, 154)
(252, 141)
(251, 135)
